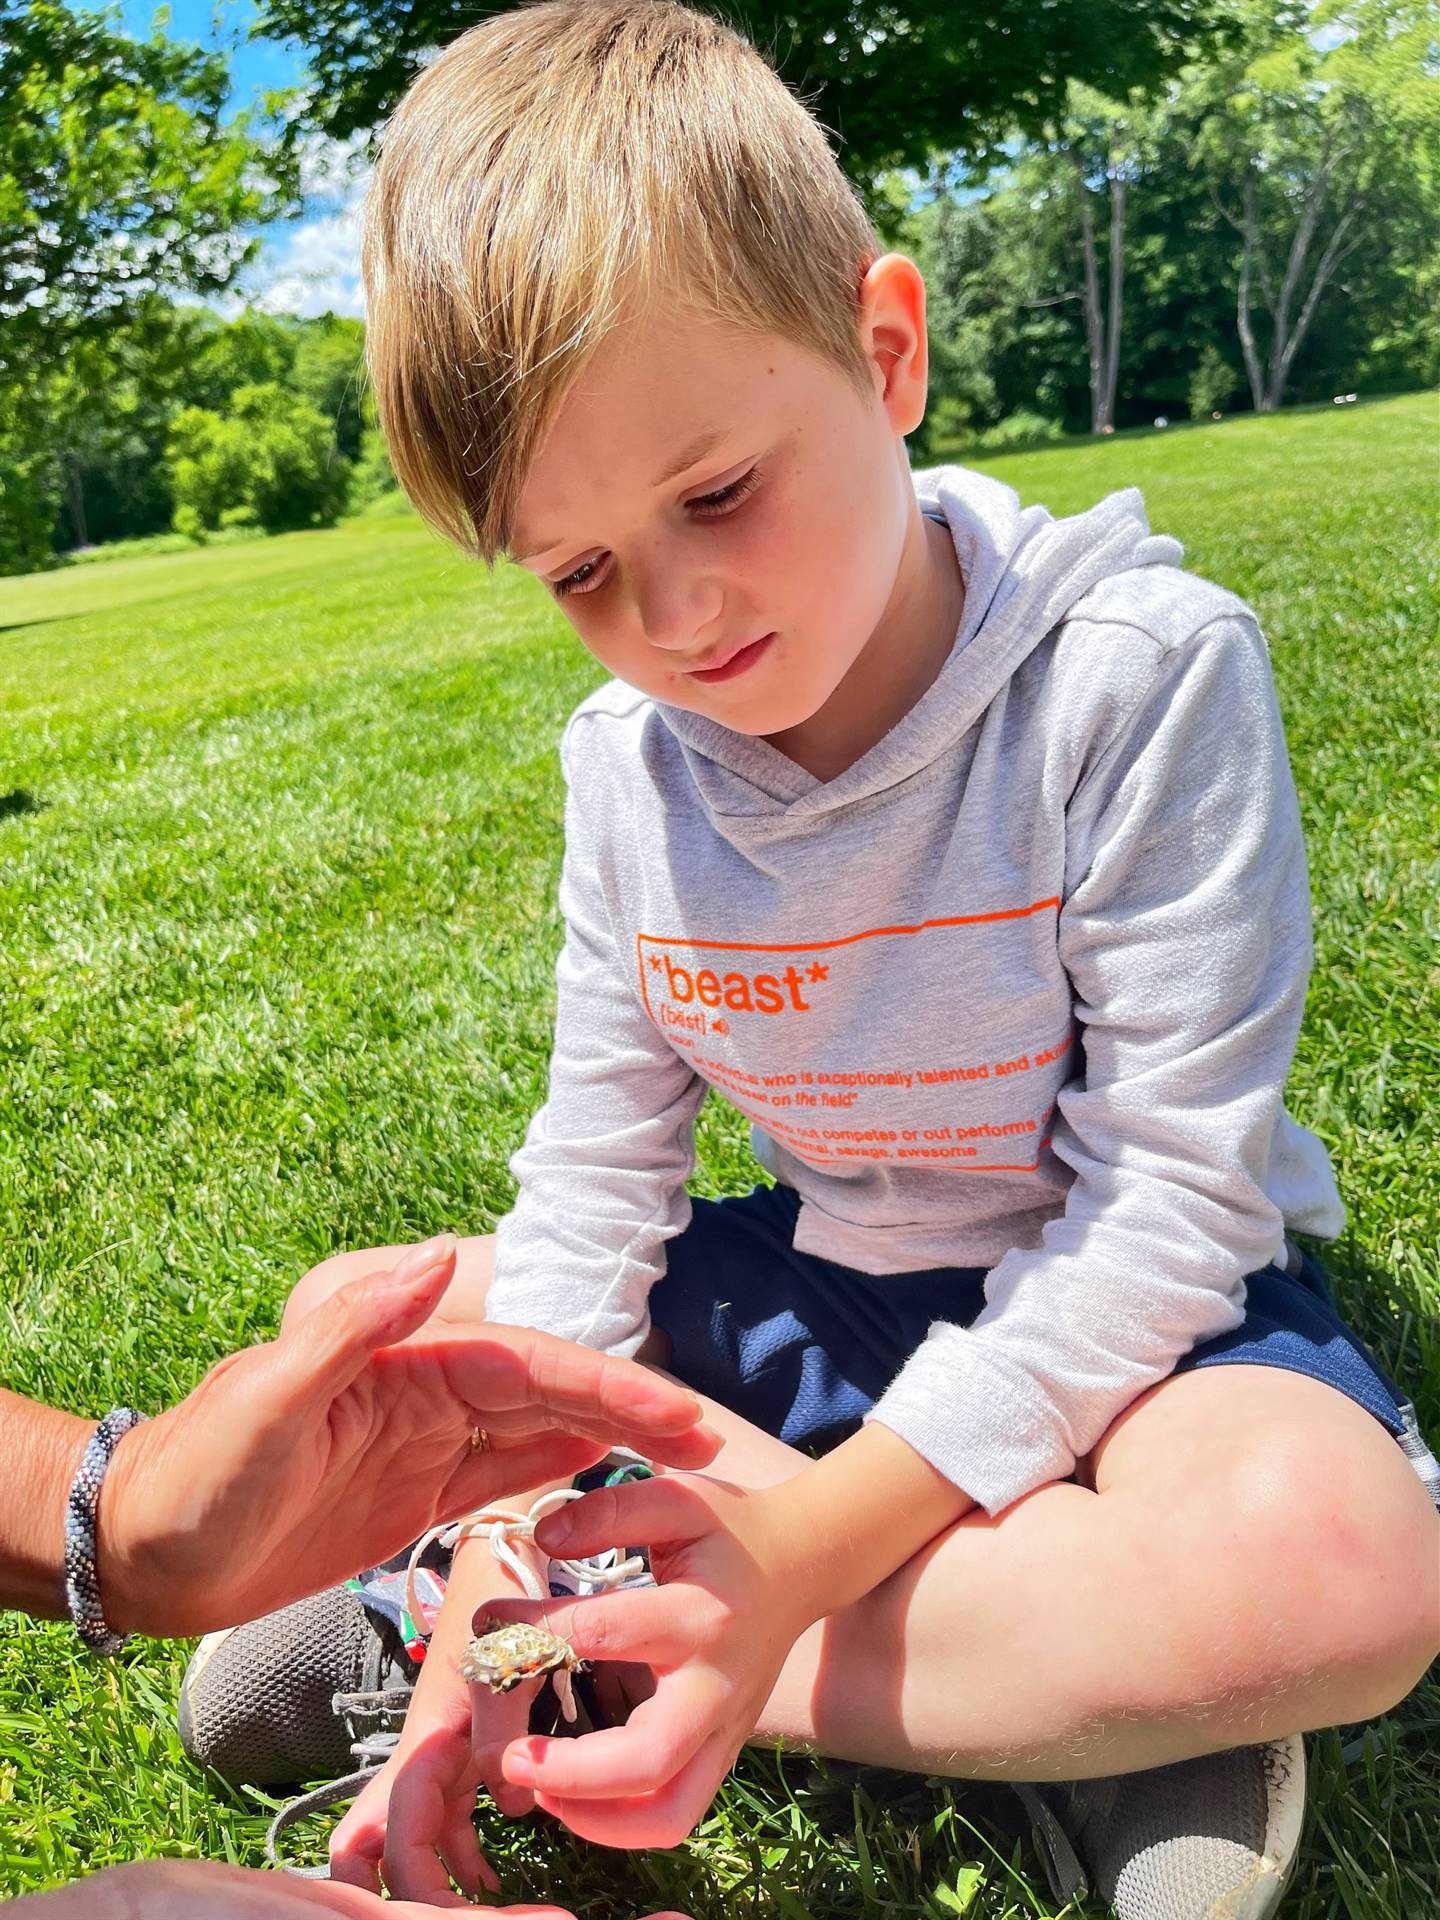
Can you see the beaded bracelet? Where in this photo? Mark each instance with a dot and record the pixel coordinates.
(82, 1583)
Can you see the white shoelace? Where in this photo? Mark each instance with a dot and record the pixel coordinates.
(505, 1526)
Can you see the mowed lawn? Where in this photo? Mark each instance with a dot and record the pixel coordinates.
(279, 832)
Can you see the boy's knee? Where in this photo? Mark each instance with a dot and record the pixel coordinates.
(463, 1300)
(1330, 1577)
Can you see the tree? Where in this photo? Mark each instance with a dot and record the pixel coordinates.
(1319, 137)
(268, 461)
(119, 180)
(1106, 148)
(117, 175)
(899, 85)
(329, 370)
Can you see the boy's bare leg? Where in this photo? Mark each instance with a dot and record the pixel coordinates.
(1250, 1555)
(1246, 1554)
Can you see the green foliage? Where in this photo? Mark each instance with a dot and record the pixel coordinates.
(1018, 429)
(268, 461)
(252, 350)
(1213, 383)
(279, 925)
(372, 476)
(118, 175)
(1336, 148)
(122, 181)
(898, 89)
(329, 370)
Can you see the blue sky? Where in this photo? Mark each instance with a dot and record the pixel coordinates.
(311, 264)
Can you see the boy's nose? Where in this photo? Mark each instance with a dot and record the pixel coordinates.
(681, 616)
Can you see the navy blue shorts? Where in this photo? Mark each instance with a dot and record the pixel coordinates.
(803, 1347)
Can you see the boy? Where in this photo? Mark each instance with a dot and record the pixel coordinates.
(956, 846)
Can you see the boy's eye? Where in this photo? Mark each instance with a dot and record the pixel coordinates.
(710, 505)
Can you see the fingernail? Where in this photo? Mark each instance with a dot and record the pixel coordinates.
(519, 1770)
(417, 1260)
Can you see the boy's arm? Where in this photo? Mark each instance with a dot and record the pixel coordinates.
(602, 1172)
(1185, 932)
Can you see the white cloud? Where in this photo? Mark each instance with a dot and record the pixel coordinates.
(314, 267)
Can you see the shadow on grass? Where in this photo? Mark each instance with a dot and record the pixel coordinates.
(20, 800)
(1393, 1320)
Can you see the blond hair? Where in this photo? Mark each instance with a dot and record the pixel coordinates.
(554, 171)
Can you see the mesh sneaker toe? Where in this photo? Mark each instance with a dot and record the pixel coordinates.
(1207, 1839)
(287, 1697)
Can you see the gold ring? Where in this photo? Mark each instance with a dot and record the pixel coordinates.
(479, 1440)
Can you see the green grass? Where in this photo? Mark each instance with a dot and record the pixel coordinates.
(279, 826)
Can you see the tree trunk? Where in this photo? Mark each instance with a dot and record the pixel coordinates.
(75, 491)
(1102, 331)
(1242, 303)
(1267, 385)
(1117, 283)
(1094, 341)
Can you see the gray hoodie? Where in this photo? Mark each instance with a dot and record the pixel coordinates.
(1018, 990)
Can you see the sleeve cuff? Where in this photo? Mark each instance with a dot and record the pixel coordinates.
(982, 1423)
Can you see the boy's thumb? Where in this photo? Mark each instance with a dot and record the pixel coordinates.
(331, 1346)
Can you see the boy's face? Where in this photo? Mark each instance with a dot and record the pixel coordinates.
(749, 583)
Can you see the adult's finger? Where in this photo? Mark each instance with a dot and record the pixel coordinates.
(661, 1819)
(656, 1626)
(493, 1475)
(419, 1816)
(666, 1508)
(510, 1367)
(326, 1351)
(658, 1741)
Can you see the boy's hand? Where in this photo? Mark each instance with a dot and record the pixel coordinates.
(742, 1575)
(411, 1826)
(730, 1604)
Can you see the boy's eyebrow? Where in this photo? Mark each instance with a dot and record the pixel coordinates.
(704, 442)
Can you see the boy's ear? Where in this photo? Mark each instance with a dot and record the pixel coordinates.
(892, 330)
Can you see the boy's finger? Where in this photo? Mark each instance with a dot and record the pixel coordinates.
(418, 1816)
(495, 1720)
(654, 1626)
(357, 1844)
(658, 1741)
(662, 1819)
(668, 1508)
(354, 1868)
(460, 1852)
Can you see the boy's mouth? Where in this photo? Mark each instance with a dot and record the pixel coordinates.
(731, 664)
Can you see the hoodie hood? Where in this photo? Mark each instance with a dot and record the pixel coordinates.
(1023, 571)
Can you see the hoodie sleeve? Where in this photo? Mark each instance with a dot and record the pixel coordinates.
(602, 1172)
(1185, 932)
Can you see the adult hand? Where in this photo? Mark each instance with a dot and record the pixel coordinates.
(292, 1464)
(716, 1631)
(204, 1890)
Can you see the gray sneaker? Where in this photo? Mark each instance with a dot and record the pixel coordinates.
(289, 1696)
(1207, 1839)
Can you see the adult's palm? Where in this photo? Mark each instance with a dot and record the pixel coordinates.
(293, 1464)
